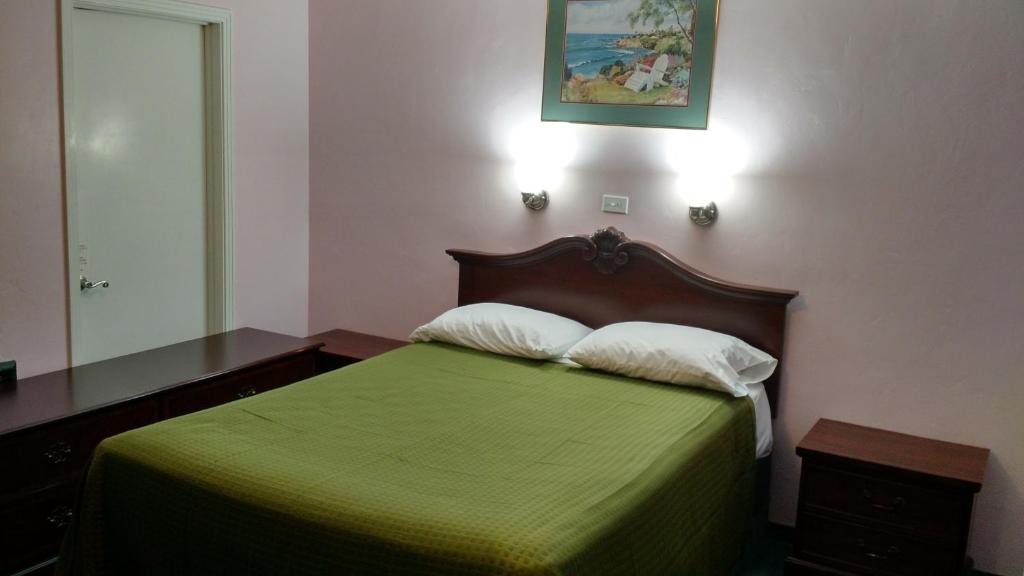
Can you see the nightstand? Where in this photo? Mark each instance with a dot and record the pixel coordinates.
(344, 347)
(878, 502)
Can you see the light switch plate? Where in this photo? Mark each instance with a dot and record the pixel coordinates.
(83, 258)
(615, 204)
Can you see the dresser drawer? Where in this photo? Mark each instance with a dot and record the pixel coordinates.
(921, 510)
(241, 385)
(861, 548)
(31, 528)
(55, 453)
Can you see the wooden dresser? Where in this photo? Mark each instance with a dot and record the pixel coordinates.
(50, 424)
(878, 502)
(344, 347)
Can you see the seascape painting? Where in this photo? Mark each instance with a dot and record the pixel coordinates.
(630, 62)
(636, 52)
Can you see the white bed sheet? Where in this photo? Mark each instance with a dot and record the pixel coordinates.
(762, 420)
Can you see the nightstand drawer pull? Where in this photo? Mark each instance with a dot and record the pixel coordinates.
(897, 502)
(246, 393)
(61, 516)
(882, 556)
(58, 453)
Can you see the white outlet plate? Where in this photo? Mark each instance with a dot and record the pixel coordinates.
(615, 204)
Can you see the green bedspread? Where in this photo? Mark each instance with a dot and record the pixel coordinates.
(431, 459)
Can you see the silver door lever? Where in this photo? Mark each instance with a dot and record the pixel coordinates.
(84, 284)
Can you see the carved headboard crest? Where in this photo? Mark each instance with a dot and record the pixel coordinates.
(606, 250)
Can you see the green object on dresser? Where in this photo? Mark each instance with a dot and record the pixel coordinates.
(8, 372)
(430, 459)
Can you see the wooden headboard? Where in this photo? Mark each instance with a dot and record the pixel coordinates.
(606, 278)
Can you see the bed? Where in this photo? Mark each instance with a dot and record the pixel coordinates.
(436, 459)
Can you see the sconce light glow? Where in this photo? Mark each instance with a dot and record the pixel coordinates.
(534, 177)
(706, 163)
(542, 150)
(721, 151)
(547, 142)
(701, 189)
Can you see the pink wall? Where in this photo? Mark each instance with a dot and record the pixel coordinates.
(271, 120)
(884, 183)
(33, 311)
(271, 98)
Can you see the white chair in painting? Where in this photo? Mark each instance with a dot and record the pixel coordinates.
(646, 78)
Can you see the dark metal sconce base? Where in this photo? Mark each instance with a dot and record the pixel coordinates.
(704, 215)
(537, 201)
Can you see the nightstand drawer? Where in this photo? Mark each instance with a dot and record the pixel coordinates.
(863, 549)
(906, 506)
(31, 530)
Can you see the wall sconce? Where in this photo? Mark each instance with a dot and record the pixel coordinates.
(535, 200)
(706, 163)
(534, 180)
(700, 194)
(704, 215)
(541, 150)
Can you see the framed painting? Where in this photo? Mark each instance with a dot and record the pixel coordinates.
(630, 62)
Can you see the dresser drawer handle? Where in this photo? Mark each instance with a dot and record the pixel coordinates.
(897, 502)
(58, 453)
(246, 393)
(61, 516)
(881, 556)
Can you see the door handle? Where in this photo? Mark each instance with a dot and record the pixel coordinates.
(84, 284)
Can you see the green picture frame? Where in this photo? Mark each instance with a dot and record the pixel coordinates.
(663, 78)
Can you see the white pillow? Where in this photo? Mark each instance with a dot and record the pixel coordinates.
(504, 329)
(676, 355)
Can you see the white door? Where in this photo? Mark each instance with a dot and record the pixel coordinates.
(137, 137)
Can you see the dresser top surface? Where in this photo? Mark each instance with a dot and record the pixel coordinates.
(47, 397)
(943, 460)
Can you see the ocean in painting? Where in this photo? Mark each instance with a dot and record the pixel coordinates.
(586, 54)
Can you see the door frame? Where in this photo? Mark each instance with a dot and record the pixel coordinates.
(216, 23)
